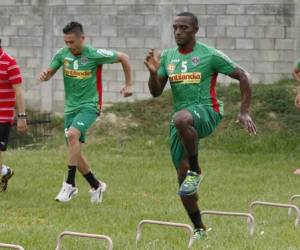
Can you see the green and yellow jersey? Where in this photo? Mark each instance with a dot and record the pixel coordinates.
(193, 75)
(82, 75)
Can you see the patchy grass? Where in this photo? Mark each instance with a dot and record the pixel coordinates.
(129, 150)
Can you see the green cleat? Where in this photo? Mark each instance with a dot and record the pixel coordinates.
(190, 184)
(4, 180)
(200, 234)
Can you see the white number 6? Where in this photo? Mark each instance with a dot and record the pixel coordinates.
(75, 64)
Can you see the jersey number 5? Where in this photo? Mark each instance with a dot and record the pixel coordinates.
(184, 66)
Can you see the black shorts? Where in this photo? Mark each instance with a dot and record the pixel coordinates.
(4, 134)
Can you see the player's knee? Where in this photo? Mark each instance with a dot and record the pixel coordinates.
(73, 136)
(183, 119)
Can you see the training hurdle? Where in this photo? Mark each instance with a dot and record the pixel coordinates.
(278, 205)
(165, 223)
(83, 235)
(248, 216)
(292, 198)
(11, 246)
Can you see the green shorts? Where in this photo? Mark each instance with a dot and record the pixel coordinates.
(205, 122)
(81, 120)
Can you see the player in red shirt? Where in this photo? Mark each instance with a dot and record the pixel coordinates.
(11, 93)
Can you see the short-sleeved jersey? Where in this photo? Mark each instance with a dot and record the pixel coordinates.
(298, 64)
(81, 75)
(9, 76)
(193, 75)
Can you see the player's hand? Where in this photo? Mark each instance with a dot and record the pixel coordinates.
(152, 61)
(22, 126)
(246, 121)
(126, 91)
(297, 100)
(45, 75)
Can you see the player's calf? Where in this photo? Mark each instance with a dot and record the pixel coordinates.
(192, 209)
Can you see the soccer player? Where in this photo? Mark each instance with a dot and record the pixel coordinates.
(11, 92)
(296, 74)
(82, 66)
(192, 68)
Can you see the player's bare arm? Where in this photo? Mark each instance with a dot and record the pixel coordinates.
(156, 83)
(20, 101)
(47, 74)
(296, 75)
(244, 117)
(124, 60)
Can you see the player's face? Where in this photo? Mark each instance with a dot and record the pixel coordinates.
(184, 30)
(74, 42)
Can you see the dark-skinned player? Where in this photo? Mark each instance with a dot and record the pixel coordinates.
(192, 69)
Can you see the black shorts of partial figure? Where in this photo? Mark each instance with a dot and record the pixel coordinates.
(4, 135)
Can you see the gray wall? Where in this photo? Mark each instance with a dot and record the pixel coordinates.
(260, 35)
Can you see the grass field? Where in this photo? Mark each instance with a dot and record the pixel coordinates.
(129, 151)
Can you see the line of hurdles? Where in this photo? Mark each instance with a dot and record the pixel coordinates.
(248, 216)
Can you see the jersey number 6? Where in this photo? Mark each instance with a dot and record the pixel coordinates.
(75, 64)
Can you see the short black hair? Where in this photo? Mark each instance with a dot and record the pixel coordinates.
(193, 17)
(73, 27)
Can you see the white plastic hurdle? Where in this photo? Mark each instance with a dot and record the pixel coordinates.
(11, 246)
(292, 198)
(250, 218)
(83, 235)
(165, 223)
(279, 205)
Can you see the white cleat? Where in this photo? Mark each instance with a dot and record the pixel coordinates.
(97, 195)
(66, 193)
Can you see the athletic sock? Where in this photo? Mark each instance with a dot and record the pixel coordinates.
(194, 165)
(4, 170)
(91, 179)
(71, 175)
(197, 220)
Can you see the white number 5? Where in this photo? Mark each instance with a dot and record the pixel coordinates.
(184, 66)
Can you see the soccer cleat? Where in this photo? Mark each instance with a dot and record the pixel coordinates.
(5, 179)
(190, 184)
(66, 193)
(199, 234)
(97, 194)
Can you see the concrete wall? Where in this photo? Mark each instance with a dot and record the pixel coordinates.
(260, 35)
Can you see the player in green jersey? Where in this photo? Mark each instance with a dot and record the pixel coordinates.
(82, 65)
(192, 70)
(296, 74)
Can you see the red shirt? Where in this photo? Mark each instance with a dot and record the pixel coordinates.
(9, 75)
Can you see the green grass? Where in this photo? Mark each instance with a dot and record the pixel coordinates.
(132, 156)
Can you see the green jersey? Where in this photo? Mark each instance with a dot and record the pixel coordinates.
(193, 75)
(80, 75)
(298, 64)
